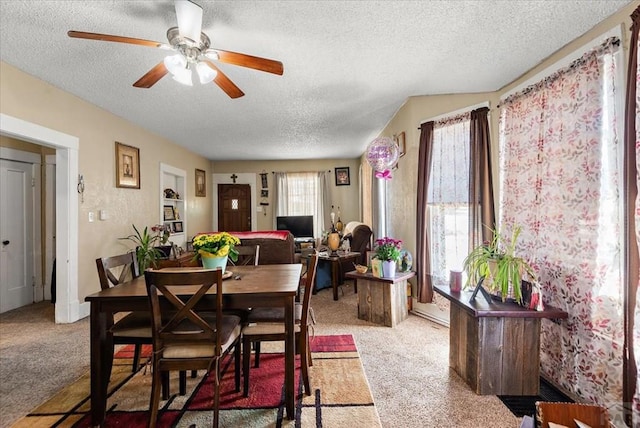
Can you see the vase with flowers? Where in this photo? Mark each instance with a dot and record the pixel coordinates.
(147, 241)
(388, 250)
(215, 248)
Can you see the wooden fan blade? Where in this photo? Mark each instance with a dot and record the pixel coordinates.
(152, 76)
(257, 63)
(111, 38)
(225, 83)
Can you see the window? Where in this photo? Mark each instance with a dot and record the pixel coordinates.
(302, 193)
(560, 180)
(448, 196)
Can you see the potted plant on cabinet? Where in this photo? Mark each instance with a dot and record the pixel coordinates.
(496, 266)
(147, 252)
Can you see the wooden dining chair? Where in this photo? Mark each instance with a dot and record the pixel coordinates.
(247, 255)
(135, 327)
(197, 336)
(267, 324)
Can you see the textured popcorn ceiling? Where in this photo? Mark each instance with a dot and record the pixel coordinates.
(348, 65)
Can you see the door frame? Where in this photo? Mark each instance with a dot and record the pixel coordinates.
(67, 307)
(49, 222)
(35, 160)
(241, 178)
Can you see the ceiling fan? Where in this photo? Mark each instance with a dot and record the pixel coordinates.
(193, 52)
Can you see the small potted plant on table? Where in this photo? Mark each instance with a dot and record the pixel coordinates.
(215, 248)
(388, 251)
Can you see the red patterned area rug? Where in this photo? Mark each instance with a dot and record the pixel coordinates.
(340, 394)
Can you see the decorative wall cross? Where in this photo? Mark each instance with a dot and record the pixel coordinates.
(234, 177)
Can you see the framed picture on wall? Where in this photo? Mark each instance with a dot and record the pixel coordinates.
(127, 166)
(402, 144)
(342, 176)
(201, 183)
(169, 214)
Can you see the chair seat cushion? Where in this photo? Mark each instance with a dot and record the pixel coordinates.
(273, 314)
(231, 330)
(134, 324)
(266, 328)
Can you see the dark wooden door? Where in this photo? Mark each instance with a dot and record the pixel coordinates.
(234, 207)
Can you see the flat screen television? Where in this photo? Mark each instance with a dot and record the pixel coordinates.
(300, 226)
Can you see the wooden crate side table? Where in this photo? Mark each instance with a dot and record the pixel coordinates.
(382, 300)
(495, 347)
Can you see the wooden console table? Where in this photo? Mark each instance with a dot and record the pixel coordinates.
(336, 262)
(495, 347)
(382, 300)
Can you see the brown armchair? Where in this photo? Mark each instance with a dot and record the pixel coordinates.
(360, 241)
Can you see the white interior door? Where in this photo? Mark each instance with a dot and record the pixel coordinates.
(16, 234)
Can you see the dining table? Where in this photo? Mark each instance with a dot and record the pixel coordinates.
(247, 287)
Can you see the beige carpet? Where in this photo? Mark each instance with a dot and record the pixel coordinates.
(407, 366)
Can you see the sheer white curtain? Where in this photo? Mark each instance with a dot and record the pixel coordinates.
(560, 181)
(303, 193)
(448, 196)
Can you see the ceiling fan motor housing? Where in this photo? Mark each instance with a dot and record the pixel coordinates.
(189, 48)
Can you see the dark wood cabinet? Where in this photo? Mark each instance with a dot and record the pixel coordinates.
(495, 347)
(183, 260)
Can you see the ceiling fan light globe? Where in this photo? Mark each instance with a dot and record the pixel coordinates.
(184, 76)
(175, 63)
(205, 73)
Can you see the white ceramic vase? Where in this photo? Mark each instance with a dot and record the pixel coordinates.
(388, 268)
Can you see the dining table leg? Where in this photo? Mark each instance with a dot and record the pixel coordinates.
(101, 343)
(289, 365)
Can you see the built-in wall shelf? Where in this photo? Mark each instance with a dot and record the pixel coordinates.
(173, 210)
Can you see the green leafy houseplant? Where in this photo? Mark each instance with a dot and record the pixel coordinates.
(147, 253)
(388, 249)
(496, 263)
(216, 245)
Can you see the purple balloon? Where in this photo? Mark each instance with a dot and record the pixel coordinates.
(382, 154)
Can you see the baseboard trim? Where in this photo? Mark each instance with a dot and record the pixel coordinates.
(441, 321)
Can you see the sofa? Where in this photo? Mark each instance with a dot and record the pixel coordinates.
(276, 246)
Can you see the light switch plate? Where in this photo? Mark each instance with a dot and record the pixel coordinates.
(92, 216)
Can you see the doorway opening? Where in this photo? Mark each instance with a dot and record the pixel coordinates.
(67, 307)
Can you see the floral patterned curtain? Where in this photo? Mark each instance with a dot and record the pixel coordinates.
(560, 182)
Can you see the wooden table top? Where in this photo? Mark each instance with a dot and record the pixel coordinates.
(480, 308)
(262, 279)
